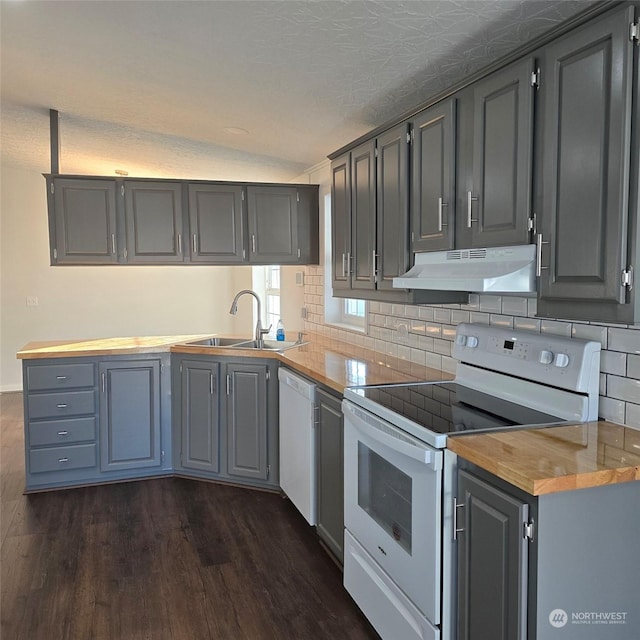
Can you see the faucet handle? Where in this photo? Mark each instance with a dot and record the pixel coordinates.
(265, 331)
(301, 334)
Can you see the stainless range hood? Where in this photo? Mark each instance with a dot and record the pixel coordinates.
(491, 270)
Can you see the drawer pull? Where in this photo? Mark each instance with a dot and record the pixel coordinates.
(63, 460)
(62, 406)
(61, 378)
(63, 433)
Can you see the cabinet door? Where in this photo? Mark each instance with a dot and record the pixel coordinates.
(153, 212)
(492, 562)
(273, 224)
(83, 221)
(247, 418)
(341, 222)
(392, 200)
(499, 206)
(216, 225)
(433, 177)
(330, 466)
(586, 152)
(129, 415)
(363, 215)
(200, 415)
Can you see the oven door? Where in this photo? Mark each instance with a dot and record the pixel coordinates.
(392, 504)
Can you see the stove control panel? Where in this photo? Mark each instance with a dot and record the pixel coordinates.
(568, 363)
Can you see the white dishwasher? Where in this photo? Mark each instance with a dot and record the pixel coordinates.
(298, 442)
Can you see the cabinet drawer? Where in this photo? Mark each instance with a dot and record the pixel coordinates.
(55, 376)
(52, 405)
(62, 431)
(77, 456)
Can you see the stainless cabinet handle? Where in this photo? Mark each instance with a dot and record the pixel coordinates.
(348, 263)
(61, 378)
(253, 242)
(63, 460)
(539, 243)
(195, 246)
(103, 380)
(374, 265)
(440, 206)
(470, 200)
(456, 531)
(179, 243)
(344, 265)
(62, 406)
(113, 244)
(63, 433)
(228, 384)
(211, 384)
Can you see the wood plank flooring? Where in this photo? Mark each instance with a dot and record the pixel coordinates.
(166, 559)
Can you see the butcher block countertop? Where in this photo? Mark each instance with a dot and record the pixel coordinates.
(552, 459)
(331, 362)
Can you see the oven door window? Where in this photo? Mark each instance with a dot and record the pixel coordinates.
(384, 492)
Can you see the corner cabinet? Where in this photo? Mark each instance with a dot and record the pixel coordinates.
(526, 564)
(96, 420)
(330, 470)
(589, 165)
(95, 221)
(225, 419)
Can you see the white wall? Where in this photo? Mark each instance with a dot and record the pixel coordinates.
(94, 302)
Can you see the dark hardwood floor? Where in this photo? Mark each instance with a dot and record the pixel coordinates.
(165, 559)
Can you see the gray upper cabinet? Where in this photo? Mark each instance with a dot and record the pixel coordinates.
(273, 224)
(130, 415)
(82, 221)
(247, 421)
(216, 223)
(586, 161)
(494, 205)
(153, 214)
(200, 415)
(363, 215)
(392, 206)
(433, 177)
(341, 222)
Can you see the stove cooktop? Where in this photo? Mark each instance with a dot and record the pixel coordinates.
(446, 407)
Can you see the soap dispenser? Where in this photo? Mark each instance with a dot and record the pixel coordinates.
(280, 331)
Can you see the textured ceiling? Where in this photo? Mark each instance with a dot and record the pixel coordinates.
(149, 86)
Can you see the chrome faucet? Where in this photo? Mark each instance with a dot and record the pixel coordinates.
(259, 330)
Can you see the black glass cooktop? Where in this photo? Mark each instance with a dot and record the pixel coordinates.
(449, 408)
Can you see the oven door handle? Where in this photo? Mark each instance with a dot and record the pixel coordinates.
(404, 444)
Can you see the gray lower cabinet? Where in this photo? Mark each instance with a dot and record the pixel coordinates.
(92, 420)
(216, 223)
(200, 415)
(154, 225)
(330, 470)
(589, 205)
(130, 415)
(225, 419)
(82, 221)
(526, 564)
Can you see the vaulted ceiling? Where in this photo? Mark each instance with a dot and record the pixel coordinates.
(153, 87)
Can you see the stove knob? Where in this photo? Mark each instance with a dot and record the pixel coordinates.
(546, 357)
(472, 342)
(461, 339)
(562, 360)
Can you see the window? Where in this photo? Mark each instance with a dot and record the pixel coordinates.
(272, 296)
(353, 312)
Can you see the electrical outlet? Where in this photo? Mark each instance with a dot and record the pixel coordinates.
(32, 301)
(303, 313)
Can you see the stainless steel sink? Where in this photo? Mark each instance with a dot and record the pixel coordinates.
(267, 345)
(217, 342)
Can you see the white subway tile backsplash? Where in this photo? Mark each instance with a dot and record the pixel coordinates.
(449, 333)
(442, 315)
(449, 364)
(626, 389)
(633, 366)
(404, 353)
(425, 343)
(478, 317)
(590, 332)
(426, 313)
(397, 310)
(610, 409)
(418, 357)
(473, 304)
(526, 324)
(432, 329)
(459, 316)
(491, 304)
(556, 328)
(433, 360)
(614, 362)
(632, 417)
(442, 346)
(501, 321)
(514, 306)
(624, 340)
(532, 307)
(411, 311)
